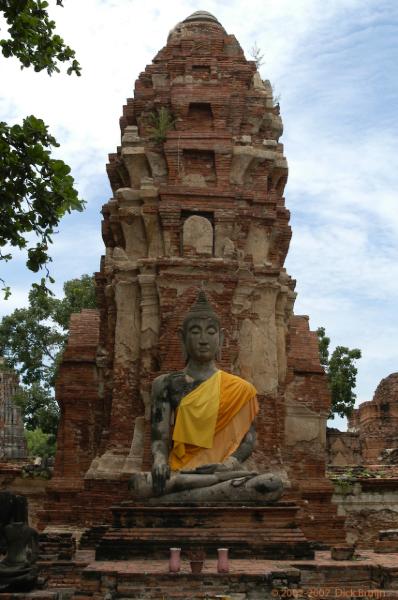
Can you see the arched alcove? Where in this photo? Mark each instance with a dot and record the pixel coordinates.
(197, 236)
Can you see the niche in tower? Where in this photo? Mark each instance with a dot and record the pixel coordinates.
(199, 168)
(201, 72)
(200, 116)
(197, 234)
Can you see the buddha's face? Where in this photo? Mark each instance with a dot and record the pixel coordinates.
(201, 338)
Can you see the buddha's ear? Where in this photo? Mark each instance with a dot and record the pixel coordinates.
(183, 346)
(219, 351)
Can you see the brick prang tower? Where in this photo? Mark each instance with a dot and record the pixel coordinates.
(12, 439)
(198, 185)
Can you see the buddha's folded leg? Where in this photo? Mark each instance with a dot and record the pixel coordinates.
(264, 489)
(228, 475)
(182, 481)
(142, 487)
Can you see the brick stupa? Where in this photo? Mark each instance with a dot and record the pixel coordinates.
(197, 202)
(12, 438)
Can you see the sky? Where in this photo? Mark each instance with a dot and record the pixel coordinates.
(334, 65)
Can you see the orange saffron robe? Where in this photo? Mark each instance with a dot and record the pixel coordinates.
(212, 420)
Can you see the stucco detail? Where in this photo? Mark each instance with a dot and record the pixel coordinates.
(108, 466)
(257, 339)
(157, 164)
(134, 233)
(257, 244)
(136, 163)
(133, 461)
(303, 425)
(127, 335)
(225, 237)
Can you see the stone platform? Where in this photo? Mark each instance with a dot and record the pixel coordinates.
(369, 576)
(248, 531)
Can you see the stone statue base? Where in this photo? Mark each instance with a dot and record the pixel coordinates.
(248, 530)
(18, 579)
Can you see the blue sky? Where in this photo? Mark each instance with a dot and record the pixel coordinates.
(334, 64)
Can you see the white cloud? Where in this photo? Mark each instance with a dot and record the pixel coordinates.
(18, 299)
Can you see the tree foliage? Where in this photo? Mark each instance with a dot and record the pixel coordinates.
(259, 59)
(32, 39)
(161, 121)
(36, 190)
(257, 55)
(32, 340)
(39, 408)
(40, 443)
(78, 293)
(341, 373)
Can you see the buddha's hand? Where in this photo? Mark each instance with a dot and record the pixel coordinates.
(205, 469)
(229, 464)
(232, 464)
(160, 474)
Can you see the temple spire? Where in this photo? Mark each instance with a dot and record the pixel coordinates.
(201, 15)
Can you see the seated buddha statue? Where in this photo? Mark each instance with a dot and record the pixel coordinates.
(203, 427)
(18, 572)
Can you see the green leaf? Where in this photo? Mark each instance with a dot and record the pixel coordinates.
(32, 39)
(40, 443)
(36, 190)
(341, 373)
(6, 292)
(161, 122)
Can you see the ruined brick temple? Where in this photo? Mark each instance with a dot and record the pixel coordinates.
(198, 185)
(372, 430)
(12, 439)
(376, 422)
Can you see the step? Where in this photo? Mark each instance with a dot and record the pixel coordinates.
(122, 544)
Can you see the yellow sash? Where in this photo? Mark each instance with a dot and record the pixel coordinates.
(212, 420)
(197, 416)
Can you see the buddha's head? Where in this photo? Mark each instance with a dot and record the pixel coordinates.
(201, 332)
